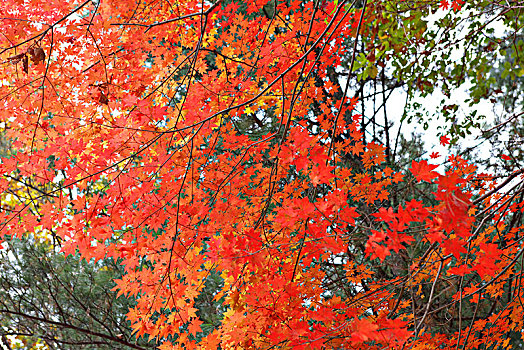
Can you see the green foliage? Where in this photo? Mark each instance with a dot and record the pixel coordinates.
(64, 303)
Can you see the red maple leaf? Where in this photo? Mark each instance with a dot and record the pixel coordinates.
(423, 171)
(194, 326)
(444, 140)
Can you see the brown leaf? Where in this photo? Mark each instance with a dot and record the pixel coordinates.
(25, 64)
(16, 58)
(37, 55)
(103, 98)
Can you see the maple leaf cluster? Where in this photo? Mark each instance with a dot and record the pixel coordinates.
(133, 133)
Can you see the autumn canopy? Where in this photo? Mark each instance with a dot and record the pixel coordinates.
(219, 152)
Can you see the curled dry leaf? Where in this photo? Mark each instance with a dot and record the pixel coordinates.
(16, 58)
(25, 64)
(37, 54)
(103, 98)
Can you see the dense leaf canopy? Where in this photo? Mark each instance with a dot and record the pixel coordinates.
(232, 167)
